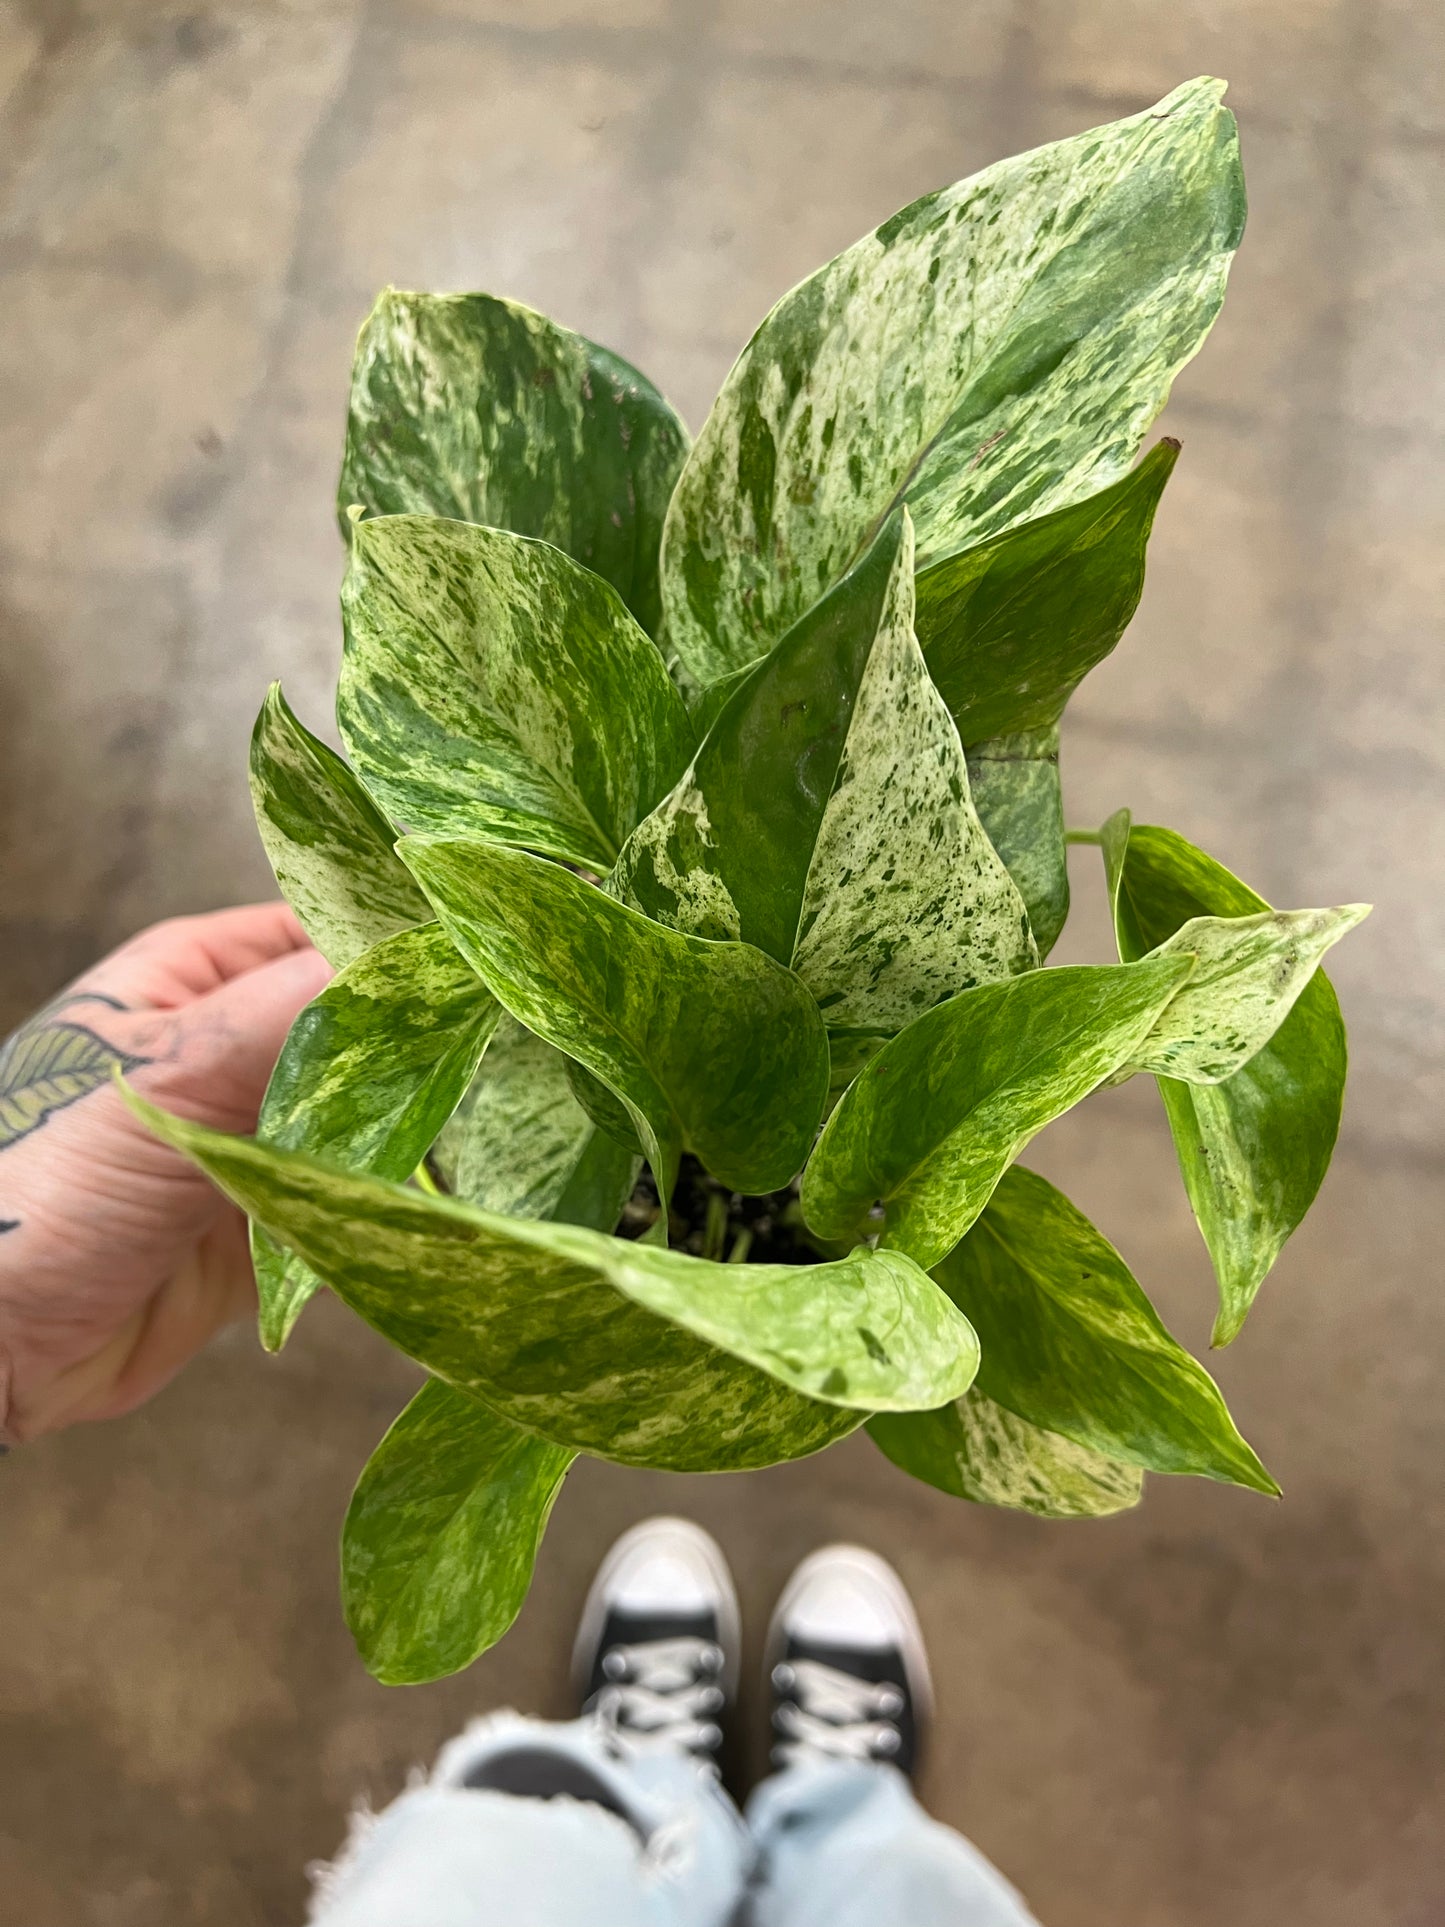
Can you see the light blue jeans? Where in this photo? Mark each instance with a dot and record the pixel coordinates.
(835, 1845)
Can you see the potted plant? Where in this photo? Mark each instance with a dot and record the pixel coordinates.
(691, 882)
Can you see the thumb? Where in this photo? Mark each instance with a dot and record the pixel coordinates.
(224, 1046)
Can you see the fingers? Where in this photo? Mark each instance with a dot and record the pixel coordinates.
(182, 958)
(224, 1046)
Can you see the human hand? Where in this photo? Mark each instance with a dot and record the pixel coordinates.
(118, 1259)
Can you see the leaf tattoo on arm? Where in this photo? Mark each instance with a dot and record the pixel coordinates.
(50, 1062)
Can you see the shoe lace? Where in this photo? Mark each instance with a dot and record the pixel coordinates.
(663, 1692)
(832, 1715)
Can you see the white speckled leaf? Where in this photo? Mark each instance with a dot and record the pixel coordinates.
(994, 351)
(1248, 973)
(330, 846)
(482, 410)
(827, 818)
(1015, 785)
(976, 1450)
(643, 1355)
(491, 685)
(520, 1143)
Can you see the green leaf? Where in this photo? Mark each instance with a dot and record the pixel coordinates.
(993, 352)
(1015, 785)
(441, 1535)
(330, 846)
(371, 1071)
(976, 1450)
(520, 1143)
(482, 410)
(1253, 1150)
(646, 1356)
(1010, 627)
(712, 1047)
(827, 818)
(935, 1118)
(1072, 1344)
(1248, 973)
(490, 685)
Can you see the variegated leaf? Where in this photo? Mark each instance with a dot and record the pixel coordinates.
(1253, 1150)
(330, 846)
(976, 1450)
(991, 353)
(482, 410)
(522, 1145)
(442, 1534)
(1072, 1344)
(712, 1047)
(373, 1068)
(647, 1356)
(492, 686)
(827, 818)
(935, 1118)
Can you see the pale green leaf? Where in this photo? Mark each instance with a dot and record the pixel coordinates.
(1011, 627)
(482, 410)
(712, 1047)
(492, 686)
(976, 1450)
(522, 1145)
(1253, 1150)
(1015, 786)
(1072, 1344)
(371, 1071)
(1248, 974)
(330, 846)
(827, 818)
(934, 1119)
(647, 1356)
(442, 1533)
(993, 352)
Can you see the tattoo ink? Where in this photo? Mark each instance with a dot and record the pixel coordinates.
(52, 1061)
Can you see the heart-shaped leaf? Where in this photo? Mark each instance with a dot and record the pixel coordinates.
(371, 1071)
(1253, 1150)
(976, 1450)
(491, 685)
(646, 1356)
(1010, 627)
(935, 1118)
(482, 410)
(441, 1535)
(712, 1047)
(522, 1145)
(993, 352)
(827, 818)
(1072, 1344)
(1014, 781)
(331, 848)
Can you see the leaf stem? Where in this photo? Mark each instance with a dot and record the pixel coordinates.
(715, 1230)
(1084, 836)
(424, 1181)
(742, 1244)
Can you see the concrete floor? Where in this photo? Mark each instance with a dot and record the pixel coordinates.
(1215, 1712)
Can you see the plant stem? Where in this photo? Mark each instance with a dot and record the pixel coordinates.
(1084, 836)
(715, 1230)
(424, 1181)
(742, 1244)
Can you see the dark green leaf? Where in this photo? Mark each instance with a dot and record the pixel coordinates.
(1015, 784)
(1072, 1344)
(522, 1145)
(1011, 627)
(1253, 1150)
(484, 411)
(373, 1068)
(993, 352)
(936, 1117)
(330, 846)
(441, 1535)
(712, 1047)
(490, 685)
(827, 818)
(976, 1450)
(648, 1356)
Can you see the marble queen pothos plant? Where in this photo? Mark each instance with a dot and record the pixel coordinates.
(691, 878)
